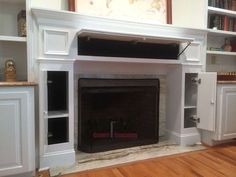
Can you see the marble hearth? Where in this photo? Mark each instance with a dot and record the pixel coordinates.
(87, 161)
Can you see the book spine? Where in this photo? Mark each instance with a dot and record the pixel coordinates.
(231, 24)
(226, 23)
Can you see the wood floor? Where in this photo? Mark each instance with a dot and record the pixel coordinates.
(214, 162)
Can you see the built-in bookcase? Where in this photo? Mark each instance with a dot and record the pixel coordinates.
(221, 20)
(56, 111)
(12, 46)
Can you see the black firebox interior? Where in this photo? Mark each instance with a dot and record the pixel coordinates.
(133, 49)
(117, 113)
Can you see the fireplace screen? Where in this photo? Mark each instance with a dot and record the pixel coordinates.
(117, 113)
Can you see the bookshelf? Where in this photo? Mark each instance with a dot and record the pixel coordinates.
(12, 45)
(221, 27)
(210, 52)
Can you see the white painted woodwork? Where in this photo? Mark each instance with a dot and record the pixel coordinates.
(61, 153)
(222, 53)
(17, 148)
(206, 101)
(226, 97)
(220, 33)
(191, 61)
(193, 52)
(56, 42)
(12, 38)
(80, 24)
(11, 45)
(221, 11)
(124, 36)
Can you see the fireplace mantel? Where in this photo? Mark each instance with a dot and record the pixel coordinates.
(69, 25)
(80, 21)
(55, 49)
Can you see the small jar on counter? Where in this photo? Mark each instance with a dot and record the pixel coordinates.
(21, 20)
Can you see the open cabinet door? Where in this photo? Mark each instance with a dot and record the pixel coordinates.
(206, 101)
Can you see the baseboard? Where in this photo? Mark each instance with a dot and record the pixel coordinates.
(184, 139)
(28, 174)
(55, 159)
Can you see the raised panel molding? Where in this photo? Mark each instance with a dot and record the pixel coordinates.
(193, 52)
(56, 42)
(10, 148)
(17, 145)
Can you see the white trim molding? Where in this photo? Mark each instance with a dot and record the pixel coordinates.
(56, 42)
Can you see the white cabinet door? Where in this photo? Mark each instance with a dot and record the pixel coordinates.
(16, 131)
(206, 101)
(227, 112)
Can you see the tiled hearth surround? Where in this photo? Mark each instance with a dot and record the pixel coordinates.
(55, 48)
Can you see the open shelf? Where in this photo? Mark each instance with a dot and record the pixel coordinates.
(221, 53)
(190, 107)
(12, 1)
(221, 33)
(12, 38)
(57, 114)
(220, 11)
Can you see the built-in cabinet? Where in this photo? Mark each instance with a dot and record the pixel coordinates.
(226, 120)
(200, 100)
(220, 58)
(191, 99)
(56, 113)
(17, 149)
(17, 130)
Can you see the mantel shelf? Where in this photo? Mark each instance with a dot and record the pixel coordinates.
(133, 37)
(12, 38)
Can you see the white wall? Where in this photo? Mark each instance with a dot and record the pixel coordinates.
(189, 13)
(50, 4)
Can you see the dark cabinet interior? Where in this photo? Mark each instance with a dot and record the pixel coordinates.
(132, 49)
(57, 89)
(58, 130)
(57, 102)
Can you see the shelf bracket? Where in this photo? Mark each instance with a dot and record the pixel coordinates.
(184, 49)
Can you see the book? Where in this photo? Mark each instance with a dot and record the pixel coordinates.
(226, 23)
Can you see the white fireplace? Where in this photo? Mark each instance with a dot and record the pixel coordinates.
(56, 50)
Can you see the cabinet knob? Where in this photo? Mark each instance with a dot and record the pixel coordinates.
(212, 102)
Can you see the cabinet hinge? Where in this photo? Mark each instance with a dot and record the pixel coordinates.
(195, 80)
(195, 119)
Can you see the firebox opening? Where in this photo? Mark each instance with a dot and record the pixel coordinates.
(117, 113)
